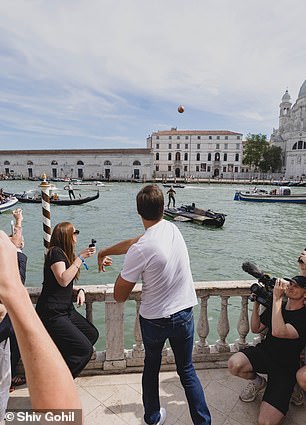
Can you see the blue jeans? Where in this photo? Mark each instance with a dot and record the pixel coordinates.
(179, 328)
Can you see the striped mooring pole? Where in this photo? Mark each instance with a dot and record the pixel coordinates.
(45, 200)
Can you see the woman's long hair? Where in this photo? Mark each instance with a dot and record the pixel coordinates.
(62, 237)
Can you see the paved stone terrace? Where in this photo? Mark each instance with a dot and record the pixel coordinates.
(116, 400)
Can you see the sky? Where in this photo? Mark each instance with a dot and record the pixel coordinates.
(108, 73)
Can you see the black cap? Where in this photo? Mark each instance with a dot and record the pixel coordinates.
(300, 281)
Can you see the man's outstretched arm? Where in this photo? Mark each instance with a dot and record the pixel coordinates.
(117, 249)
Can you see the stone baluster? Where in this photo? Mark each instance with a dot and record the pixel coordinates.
(114, 314)
(138, 350)
(243, 324)
(89, 316)
(203, 327)
(223, 326)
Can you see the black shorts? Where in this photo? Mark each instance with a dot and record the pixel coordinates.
(281, 379)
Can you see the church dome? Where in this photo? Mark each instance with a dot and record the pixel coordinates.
(286, 97)
(302, 91)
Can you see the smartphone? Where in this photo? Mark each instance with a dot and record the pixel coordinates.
(93, 243)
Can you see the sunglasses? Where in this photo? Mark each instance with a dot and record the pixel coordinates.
(76, 232)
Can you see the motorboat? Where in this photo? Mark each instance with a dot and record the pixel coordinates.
(284, 194)
(55, 200)
(190, 213)
(8, 203)
(175, 186)
(86, 183)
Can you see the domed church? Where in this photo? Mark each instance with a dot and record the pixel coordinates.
(291, 134)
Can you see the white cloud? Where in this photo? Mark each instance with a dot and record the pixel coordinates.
(107, 69)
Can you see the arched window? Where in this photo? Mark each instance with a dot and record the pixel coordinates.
(209, 157)
(186, 156)
(237, 157)
(80, 163)
(136, 163)
(225, 157)
(300, 144)
(29, 162)
(54, 162)
(6, 162)
(169, 156)
(217, 156)
(294, 146)
(107, 163)
(198, 157)
(177, 156)
(157, 156)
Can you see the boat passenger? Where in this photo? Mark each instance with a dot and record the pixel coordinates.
(171, 192)
(72, 333)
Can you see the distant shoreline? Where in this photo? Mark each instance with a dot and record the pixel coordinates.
(182, 181)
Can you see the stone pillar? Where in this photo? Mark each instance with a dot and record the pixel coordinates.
(114, 314)
(138, 350)
(243, 324)
(223, 326)
(203, 328)
(88, 306)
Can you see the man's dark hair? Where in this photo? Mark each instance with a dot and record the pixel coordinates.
(150, 202)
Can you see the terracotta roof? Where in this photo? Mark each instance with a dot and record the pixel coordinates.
(196, 132)
(76, 151)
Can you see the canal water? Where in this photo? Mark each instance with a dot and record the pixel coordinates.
(271, 235)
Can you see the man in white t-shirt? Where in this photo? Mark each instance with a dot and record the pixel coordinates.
(159, 258)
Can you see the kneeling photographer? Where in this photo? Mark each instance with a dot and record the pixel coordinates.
(278, 355)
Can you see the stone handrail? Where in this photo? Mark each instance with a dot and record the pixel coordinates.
(117, 359)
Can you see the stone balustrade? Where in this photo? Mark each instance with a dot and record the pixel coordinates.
(117, 359)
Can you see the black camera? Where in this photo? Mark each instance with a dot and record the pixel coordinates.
(92, 243)
(262, 291)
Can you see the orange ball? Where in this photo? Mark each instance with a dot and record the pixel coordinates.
(181, 109)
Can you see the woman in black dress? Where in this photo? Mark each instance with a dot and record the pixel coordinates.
(73, 334)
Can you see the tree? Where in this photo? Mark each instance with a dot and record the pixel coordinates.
(254, 149)
(272, 159)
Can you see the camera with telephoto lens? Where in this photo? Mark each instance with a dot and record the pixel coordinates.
(262, 291)
(92, 243)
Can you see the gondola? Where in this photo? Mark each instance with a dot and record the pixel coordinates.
(191, 213)
(37, 200)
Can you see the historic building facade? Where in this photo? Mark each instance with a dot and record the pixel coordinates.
(196, 153)
(95, 164)
(291, 134)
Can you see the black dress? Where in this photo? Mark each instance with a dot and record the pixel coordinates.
(72, 333)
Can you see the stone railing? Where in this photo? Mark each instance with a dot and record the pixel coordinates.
(116, 359)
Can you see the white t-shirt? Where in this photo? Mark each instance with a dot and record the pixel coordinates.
(160, 259)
